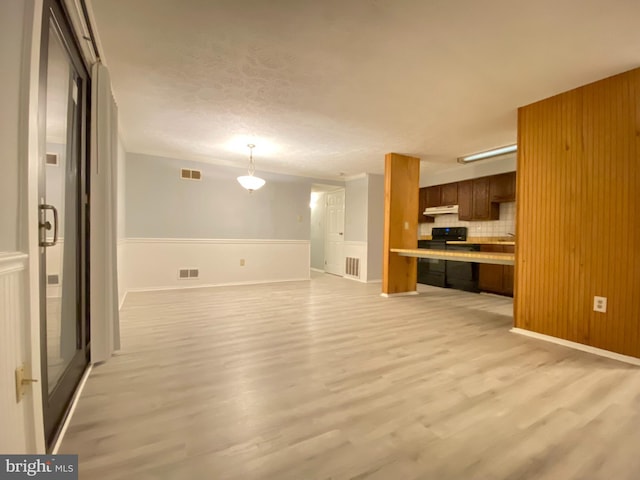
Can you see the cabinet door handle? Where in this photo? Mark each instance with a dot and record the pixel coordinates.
(46, 225)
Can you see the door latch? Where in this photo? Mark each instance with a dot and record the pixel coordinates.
(22, 383)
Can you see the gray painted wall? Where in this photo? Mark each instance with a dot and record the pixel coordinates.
(12, 21)
(161, 205)
(318, 231)
(355, 200)
(375, 226)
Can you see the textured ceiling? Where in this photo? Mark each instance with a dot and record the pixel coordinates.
(330, 86)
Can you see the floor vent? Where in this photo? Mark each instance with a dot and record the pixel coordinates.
(187, 174)
(352, 267)
(186, 273)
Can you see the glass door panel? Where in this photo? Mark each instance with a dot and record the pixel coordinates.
(62, 213)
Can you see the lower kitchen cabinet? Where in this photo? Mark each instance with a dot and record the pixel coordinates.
(496, 278)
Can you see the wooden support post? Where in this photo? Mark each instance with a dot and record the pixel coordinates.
(401, 187)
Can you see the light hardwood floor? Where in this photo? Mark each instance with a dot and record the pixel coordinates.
(327, 380)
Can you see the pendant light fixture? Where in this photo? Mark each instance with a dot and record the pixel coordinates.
(251, 182)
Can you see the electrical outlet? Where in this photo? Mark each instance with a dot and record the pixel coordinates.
(406, 225)
(242, 262)
(600, 304)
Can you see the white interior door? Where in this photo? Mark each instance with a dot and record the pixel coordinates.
(334, 245)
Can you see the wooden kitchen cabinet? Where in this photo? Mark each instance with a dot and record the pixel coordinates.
(465, 200)
(433, 196)
(503, 187)
(496, 278)
(483, 207)
(508, 273)
(422, 204)
(449, 194)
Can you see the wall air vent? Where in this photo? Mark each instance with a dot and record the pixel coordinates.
(186, 273)
(188, 174)
(52, 159)
(53, 279)
(352, 267)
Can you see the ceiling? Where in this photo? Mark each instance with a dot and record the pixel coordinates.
(325, 88)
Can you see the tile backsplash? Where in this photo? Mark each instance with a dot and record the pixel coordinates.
(491, 228)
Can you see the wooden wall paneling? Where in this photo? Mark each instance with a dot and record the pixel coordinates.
(577, 214)
(402, 174)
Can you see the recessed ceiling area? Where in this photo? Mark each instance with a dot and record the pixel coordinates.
(323, 87)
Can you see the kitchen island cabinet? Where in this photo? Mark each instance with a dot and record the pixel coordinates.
(496, 278)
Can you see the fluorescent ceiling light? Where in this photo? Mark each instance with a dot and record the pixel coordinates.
(488, 154)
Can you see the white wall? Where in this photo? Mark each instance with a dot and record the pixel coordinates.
(356, 200)
(375, 226)
(154, 263)
(436, 175)
(211, 225)
(21, 426)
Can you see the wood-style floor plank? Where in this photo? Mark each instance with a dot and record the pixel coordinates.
(326, 379)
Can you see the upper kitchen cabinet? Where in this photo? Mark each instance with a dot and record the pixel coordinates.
(433, 196)
(422, 204)
(483, 207)
(503, 187)
(474, 200)
(441, 195)
(449, 194)
(465, 200)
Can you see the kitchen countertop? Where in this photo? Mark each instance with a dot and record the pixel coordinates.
(475, 257)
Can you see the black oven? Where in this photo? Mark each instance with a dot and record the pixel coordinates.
(430, 270)
(447, 273)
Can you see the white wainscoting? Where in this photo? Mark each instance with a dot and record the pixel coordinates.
(357, 250)
(153, 263)
(16, 419)
(122, 271)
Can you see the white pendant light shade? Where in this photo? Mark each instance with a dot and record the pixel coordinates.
(250, 182)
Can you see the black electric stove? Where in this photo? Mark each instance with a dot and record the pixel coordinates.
(447, 273)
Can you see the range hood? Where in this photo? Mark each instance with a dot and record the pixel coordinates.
(441, 210)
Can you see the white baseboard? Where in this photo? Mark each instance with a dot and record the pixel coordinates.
(400, 294)
(317, 270)
(72, 409)
(379, 280)
(578, 346)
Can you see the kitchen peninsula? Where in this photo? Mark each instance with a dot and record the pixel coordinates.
(495, 258)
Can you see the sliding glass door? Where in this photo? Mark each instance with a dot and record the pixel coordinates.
(62, 215)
